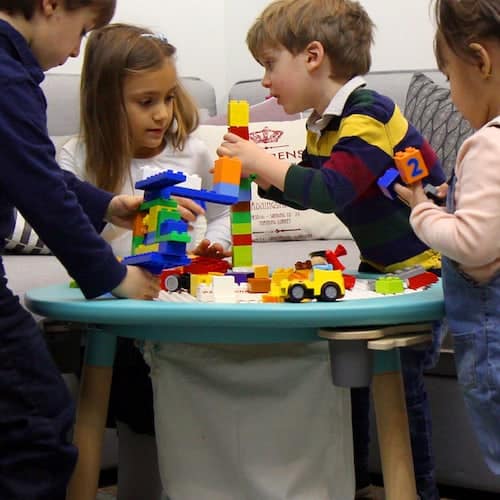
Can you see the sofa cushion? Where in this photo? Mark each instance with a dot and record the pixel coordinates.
(430, 109)
(23, 239)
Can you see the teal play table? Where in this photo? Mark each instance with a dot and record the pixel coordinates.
(363, 333)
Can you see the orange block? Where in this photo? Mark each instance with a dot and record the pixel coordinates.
(411, 165)
(139, 228)
(227, 170)
(259, 285)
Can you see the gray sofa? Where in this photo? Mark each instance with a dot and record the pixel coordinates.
(458, 458)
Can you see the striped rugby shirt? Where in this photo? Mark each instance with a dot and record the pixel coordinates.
(347, 150)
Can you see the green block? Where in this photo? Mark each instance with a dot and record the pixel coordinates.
(136, 241)
(245, 228)
(389, 285)
(162, 202)
(245, 184)
(175, 236)
(242, 256)
(168, 215)
(241, 218)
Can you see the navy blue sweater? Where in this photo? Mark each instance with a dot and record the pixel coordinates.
(65, 212)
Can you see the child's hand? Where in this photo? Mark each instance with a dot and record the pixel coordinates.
(412, 194)
(138, 284)
(442, 190)
(122, 210)
(188, 209)
(247, 151)
(216, 250)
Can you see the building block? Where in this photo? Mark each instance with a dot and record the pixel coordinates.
(227, 170)
(238, 113)
(411, 165)
(240, 276)
(242, 256)
(242, 206)
(243, 217)
(389, 285)
(241, 229)
(261, 271)
(227, 189)
(387, 181)
(152, 261)
(242, 239)
(259, 285)
(242, 132)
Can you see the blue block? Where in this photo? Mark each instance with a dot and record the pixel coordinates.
(172, 248)
(245, 195)
(203, 194)
(167, 226)
(161, 180)
(386, 183)
(155, 262)
(150, 238)
(227, 189)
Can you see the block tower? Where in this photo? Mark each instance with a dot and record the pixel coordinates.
(159, 235)
(238, 116)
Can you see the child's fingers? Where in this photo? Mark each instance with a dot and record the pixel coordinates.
(402, 191)
(231, 138)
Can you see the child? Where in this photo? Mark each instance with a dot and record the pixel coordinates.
(467, 46)
(136, 117)
(36, 411)
(313, 52)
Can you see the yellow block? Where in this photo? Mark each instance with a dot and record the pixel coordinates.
(238, 113)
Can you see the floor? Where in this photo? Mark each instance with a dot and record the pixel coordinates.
(110, 492)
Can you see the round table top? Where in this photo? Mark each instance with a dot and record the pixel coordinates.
(64, 303)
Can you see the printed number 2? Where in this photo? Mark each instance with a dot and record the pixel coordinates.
(416, 169)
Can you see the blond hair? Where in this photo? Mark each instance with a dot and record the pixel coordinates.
(112, 53)
(342, 26)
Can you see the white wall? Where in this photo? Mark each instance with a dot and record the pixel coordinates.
(210, 36)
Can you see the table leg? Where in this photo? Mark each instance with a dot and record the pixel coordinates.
(392, 427)
(91, 415)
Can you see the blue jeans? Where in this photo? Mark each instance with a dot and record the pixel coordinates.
(36, 414)
(473, 313)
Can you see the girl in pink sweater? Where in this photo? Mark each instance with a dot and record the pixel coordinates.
(467, 231)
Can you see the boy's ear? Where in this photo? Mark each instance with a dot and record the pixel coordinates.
(482, 59)
(315, 54)
(48, 7)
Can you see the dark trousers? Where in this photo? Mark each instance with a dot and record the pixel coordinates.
(419, 419)
(413, 362)
(36, 415)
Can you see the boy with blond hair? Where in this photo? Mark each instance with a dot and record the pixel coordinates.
(36, 410)
(314, 53)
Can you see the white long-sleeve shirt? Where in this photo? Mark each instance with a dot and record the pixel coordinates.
(193, 159)
(471, 235)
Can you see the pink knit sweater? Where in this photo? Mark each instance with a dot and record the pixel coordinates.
(470, 236)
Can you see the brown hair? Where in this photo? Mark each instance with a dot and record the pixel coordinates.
(342, 26)
(112, 53)
(462, 22)
(104, 8)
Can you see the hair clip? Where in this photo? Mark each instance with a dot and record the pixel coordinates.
(157, 36)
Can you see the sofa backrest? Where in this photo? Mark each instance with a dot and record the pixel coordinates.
(393, 84)
(63, 102)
